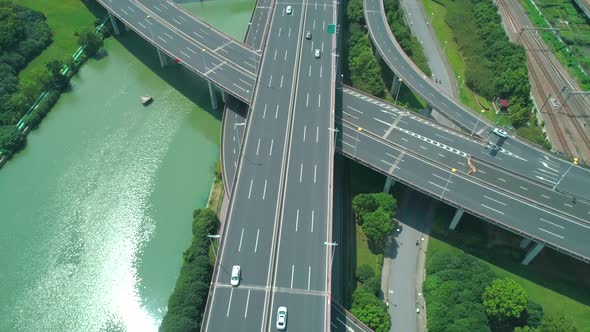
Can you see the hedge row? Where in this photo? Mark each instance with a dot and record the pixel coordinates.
(187, 302)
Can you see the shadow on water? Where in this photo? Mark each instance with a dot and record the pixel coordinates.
(189, 84)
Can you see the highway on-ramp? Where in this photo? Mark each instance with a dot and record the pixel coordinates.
(577, 180)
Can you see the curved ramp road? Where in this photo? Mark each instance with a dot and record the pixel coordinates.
(233, 71)
(552, 168)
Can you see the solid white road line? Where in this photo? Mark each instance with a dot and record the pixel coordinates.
(231, 294)
(317, 134)
(256, 244)
(258, 146)
(549, 222)
(241, 237)
(495, 200)
(304, 131)
(546, 231)
(301, 173)
(498, 211)
(247, 302)
(315, 172)
(271, 143)
(264, 192)
(250, 191)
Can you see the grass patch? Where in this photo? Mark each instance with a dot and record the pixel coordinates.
(446, 37)
(216, 196)
(558, 282)
(364, 254)
(64, 17)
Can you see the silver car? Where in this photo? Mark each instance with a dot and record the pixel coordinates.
(235, 275)
(282, 318)
(500, 132)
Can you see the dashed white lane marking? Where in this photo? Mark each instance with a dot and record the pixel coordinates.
(498, 211)
(546, 231)
(551, 223)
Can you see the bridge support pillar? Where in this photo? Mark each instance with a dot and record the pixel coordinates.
(525, 242)
(456, 219)
(162, 57)
(389, 182)
(532, 253)
(213, 96)
(114, 23)
(224, 96)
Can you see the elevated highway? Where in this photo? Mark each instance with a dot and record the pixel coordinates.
(229, 64)
(578, 179)
(513, 177)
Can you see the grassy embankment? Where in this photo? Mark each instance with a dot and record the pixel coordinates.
(560, 284)
(64, 17)
(446, 37)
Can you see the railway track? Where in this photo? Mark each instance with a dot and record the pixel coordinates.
(550, 79)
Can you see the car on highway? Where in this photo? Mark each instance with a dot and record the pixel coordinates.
(500, 132)
(282, 319)
(308, 35)
(289, 10)
(317, 53)
(235, 275)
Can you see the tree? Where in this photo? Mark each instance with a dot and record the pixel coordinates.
(11, 29)
(377, 226)
(57, 81)
(504, 300)
(364, 273)
(532, 315)
(10, 138)
(558, 323)
(363, 204)
(91, 41)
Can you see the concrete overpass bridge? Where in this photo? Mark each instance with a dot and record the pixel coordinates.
(368, 130)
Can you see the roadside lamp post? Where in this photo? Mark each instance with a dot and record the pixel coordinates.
(211, 237)
(399, 85)
(333, 245)
(462, 81)
(477, 122)
(150, 28)
(564, 174)
(204, 66)
(453, 170)
(359, 129)
(445, 48)
(431, 17)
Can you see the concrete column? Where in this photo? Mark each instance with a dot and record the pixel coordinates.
(224, 96)
(213, 96)
(389, 182)
(394, 85)
(532, 253)
(114, 23)
(525, 242)
(456, 219)
(126, 27)
(162, 57)
(426, 111)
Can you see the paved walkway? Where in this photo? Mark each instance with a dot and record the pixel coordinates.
(437, 60)
(403, 265)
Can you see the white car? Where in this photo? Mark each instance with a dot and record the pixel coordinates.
(500, 132)
(282, 318)
(235, 275)
(317, 53)
(289, 10)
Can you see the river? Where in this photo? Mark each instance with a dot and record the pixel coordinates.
(96, 211)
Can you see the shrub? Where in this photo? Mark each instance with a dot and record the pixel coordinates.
(364, 273)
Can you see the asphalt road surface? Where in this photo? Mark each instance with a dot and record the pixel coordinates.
(254, 214)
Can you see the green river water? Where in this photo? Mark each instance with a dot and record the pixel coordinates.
(96, 211)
